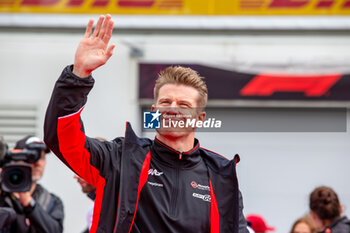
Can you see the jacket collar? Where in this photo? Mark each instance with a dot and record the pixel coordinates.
(338, 220)
(171, 157)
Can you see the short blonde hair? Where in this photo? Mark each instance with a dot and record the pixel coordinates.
(182, 76)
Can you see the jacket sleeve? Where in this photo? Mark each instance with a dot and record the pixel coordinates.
(242, 221)
(7, 217)
(44, 222)
(64, 131)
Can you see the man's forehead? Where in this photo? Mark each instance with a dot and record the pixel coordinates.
(179, 91)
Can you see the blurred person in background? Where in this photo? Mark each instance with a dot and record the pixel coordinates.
(258, 223)
(326, 210)
(183, 188)
(304, 224)
(90, 191)
(7, 215)
(37, 210)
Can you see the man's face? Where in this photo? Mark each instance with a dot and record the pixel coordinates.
(38, 167)
(85, 186)
(181, 103)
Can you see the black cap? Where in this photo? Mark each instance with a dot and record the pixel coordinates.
(24, 142)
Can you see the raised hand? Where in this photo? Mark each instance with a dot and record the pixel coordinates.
(93, 50)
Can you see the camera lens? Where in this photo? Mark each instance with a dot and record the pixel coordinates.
(16, 177)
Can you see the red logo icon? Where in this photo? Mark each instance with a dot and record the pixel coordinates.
(311, 85)
(194, 184)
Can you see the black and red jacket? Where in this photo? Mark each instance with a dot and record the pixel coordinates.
(142, 185)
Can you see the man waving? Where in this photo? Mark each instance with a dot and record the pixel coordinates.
(168, 184)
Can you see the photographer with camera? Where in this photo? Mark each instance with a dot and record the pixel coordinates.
(7, 215)
(37, 210)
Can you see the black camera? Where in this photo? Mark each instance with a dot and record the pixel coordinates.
(16, 176)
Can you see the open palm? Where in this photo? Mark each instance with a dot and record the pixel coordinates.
(93, 50)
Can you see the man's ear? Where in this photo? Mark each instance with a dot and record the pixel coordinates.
(341, 208)
(202, 116)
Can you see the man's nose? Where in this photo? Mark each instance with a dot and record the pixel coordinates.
(173, 108)
(173, 105)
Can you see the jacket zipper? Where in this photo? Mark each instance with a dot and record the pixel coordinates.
(175, 191)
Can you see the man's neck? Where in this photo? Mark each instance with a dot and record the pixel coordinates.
(326, 223)
(182, 144)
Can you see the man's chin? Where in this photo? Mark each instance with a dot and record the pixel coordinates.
(36, 178)
(173, 132)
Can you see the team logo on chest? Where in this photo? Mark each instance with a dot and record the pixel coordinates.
(195, 185)
(154, 172)
(201, 196)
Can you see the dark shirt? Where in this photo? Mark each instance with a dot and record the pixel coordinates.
(179, 189)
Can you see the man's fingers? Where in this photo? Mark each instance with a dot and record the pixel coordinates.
(109, 52)
(104, 26)
(89, 28)
(108, 34)
(98, 26)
